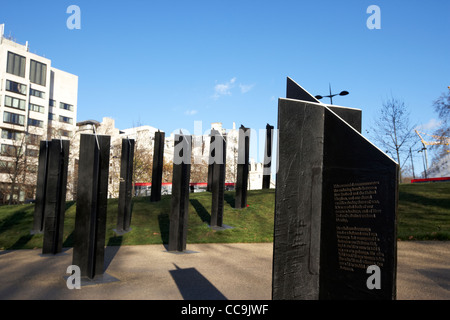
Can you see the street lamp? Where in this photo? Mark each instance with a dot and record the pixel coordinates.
(343, 93)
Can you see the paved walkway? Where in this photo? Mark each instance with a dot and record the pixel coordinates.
(207, 271)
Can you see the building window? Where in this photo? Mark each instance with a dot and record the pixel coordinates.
(65, 106)
(32, 152)
(13, 118)
(16, 87)
(38, 73)
(6, 166)
(65, 133)
(32, 168)
(10, 151)
(37, 93)
(33, 139)
(36, 108)
(35, 123)
(52, 103)
(65, 119)
(51, 116)
(15, 103)
(11, 134)
(16, 65)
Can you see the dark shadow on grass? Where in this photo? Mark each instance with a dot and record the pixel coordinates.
(425, 201)
(201, 211)
(229, 198)
(69, 204)
(68, 243)
(164, 224)
(194, 286)
(11, 220)
(21, 242)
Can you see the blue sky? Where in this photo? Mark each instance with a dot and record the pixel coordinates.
(170, 63)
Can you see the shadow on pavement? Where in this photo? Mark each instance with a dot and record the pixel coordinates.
(194, 286)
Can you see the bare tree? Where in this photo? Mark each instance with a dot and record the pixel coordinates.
(19, 163)
(199, 171)
(114, 170)
(393, 131)
(167, 171)
(442, 108)
(232, 158)
(143, 164)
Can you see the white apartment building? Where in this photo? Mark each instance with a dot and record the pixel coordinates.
(37, 102)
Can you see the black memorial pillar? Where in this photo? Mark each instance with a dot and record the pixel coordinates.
(55, 195)
(125, 187)
(218, 179)
(211, 160)
(90, 220)
(180, 193)
(267, 172)
(158, 164)
(41, 188)
(242, 168)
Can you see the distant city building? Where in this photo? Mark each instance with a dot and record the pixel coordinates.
(144, 137)
(37, 102)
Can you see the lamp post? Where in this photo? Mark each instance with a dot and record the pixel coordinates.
(342, 93)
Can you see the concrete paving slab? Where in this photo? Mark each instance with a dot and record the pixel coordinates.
(206, 272)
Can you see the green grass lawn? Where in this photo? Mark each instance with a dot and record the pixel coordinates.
(424, 211)
(150, 222)
(424, 214)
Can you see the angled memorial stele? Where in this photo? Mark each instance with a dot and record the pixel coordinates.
(350, 115)
(336, 205)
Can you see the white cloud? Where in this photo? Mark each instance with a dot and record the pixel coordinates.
(223, 89)
(190, 112)
(246, 87)
(431, 125)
